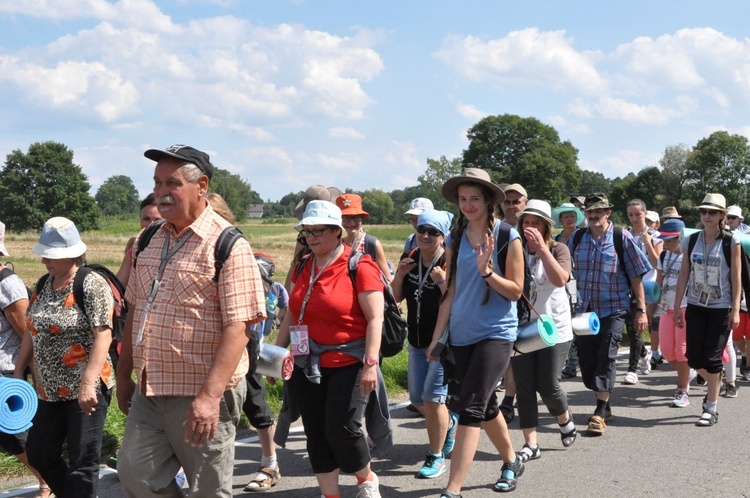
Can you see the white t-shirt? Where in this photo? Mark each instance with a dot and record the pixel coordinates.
(551, 300)
(670, 269)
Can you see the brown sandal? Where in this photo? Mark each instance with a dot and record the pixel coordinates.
(596, 425)
(263, 480)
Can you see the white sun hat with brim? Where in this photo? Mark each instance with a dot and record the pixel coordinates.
(59, 240)
(735, 211)
(537, 208)
(565, 208)
(321, 213)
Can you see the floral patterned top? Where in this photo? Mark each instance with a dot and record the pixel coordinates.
(62, 336)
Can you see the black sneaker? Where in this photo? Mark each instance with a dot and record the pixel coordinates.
(730, 391)
(569, 371)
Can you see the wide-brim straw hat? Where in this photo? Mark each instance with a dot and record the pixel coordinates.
(472, 175)
(59, 240)
(538, 208)
(670, 212)
(565, 208)
(714, 201)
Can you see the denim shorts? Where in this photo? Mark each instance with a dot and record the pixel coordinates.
(425, 379)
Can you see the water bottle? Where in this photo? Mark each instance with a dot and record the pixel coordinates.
(271, 302)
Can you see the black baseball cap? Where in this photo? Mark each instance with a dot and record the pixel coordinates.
(184, 153)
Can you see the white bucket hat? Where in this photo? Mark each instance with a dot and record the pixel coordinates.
(321, 213)
(59, 240)
(735, 211)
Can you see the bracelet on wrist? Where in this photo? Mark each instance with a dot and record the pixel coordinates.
(487, 276)
(441, 282)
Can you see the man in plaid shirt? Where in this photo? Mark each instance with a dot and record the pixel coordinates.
(604, 288)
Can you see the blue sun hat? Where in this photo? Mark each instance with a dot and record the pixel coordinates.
(436, 218)
(564, 208)
(59, 240)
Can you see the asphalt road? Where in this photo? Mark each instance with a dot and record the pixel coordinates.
(648, 449)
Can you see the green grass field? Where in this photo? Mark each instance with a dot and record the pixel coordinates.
(105, 246)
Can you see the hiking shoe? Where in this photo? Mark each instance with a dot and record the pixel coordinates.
(569, 371)
(434, 466)
(656, 359)
(680, 399)
(730, 391)
(631, 379)
(708, 419)
(746, 374)
(369, 489)
(646, 363)
(450, 437)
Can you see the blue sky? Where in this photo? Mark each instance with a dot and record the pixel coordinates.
(360, 94)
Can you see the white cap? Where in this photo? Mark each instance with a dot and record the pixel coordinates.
(418, 205)
(652, 216)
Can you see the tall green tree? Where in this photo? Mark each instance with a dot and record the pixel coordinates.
(117, 195)
(674, 165)
(379, 205)
(432, 180)
(237, 193)
(525, 151)
(593, 182)
(720, 163)
(42, 183)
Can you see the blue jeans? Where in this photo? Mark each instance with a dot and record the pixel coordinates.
(58, 421)
(425, 379)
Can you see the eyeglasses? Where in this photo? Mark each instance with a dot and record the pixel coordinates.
(710, 212)
(515, 202)
(315, 232)
(730, 217)
(352, 219)
(432, 232)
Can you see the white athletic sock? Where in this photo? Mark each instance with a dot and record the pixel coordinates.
(711, 406)
(567, 427)
(269, 461)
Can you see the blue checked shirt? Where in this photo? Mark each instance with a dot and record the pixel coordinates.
(602, 286)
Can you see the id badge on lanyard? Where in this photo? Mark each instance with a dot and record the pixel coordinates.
(300, 340)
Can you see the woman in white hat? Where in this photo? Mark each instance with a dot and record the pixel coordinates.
(479, 309)
(713, 292)
(539, 371)
(74, 375)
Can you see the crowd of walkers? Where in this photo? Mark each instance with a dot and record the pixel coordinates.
(473, 286)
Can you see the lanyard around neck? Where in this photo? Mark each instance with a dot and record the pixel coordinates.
(423, 280)
(708, 253)
(314, 278)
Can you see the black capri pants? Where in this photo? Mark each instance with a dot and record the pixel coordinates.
(597, 353)
(706, 333)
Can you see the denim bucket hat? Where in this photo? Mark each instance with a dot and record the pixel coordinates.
(59, 240)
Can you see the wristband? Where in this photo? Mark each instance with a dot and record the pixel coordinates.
(441, 282)
(487, 276)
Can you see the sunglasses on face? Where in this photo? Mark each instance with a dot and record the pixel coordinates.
(515, 202)
(352, 219)
(730, 217)
(432, 232)
(710, 212)
(315, 232)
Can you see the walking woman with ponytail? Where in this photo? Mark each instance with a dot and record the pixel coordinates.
(479, 309)
(713, 284)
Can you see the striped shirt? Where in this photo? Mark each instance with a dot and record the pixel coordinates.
(602, 286)
(182, 332)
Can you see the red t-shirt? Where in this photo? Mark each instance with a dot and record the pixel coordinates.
(333, 315)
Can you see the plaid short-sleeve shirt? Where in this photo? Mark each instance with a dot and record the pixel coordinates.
(183, 329)
(602, 286)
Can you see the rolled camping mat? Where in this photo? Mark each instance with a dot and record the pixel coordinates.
(687, 232)
(536, 335)
(652, 292)
(586, 324)
(745, 242)
(18, 404)
(275, 361)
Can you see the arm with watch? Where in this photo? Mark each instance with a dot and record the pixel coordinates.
(640, 320)
(372, 304)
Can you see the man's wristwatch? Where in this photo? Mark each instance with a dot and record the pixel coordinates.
(642, 310)
(371, 361)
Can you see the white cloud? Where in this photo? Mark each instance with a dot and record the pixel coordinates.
(345, 132)
(622, 162)
(469, 111)
(526, 56)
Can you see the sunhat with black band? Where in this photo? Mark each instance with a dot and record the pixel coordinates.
(315, 193)
(472, 175)
(714, 201)
(670, 212)
(565, 208)
(184, 153)
(59, 240)
(537, 208)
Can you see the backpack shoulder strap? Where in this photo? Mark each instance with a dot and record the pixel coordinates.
(691, 244)
(662, 256)
(370, 246)
(227, 239)
(617, 241)
(145, 239)
(301, 263)
(5, 273)
(81, 274)
(726, 245)
(577, 236)
(354, 258)
(503, 239)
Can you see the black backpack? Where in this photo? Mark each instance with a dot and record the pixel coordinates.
(228, 237)
(394, 325)
(523, 305)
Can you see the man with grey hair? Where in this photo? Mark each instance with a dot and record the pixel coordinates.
(185, 337)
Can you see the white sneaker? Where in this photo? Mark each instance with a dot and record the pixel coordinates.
(680, 399)
(646, 363)
(631, 378)
(369, 489)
